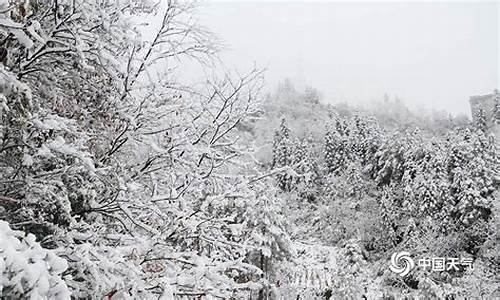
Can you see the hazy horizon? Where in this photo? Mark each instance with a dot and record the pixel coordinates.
(430, 55)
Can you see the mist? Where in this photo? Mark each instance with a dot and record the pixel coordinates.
(430, 55)
(249, 150)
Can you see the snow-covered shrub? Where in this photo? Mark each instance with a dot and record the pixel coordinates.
(337, 153)
(352, 274)
(27, 270)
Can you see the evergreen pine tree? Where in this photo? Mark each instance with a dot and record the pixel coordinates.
(496, 107)
(336, 147)
(283, 155)
(481, 123)
(280, 152)
(470, 160)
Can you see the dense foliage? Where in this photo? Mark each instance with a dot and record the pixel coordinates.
(119, 181)
(386, 190)
(135, 180)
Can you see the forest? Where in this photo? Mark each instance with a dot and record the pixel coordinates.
(118, 180)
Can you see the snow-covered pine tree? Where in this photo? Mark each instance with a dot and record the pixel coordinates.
(470, 165)
(365, 139)
(279, 153)
(496, 107)
(307, 168)
(336, 150)
(481, 122)
(430, 182)
(266, 233)
(283, 155)
(306, 162)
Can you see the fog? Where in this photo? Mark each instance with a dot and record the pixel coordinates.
(430, 55)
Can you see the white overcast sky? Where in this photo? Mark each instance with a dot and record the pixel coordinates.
(433, 54)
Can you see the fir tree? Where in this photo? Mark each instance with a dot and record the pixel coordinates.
(496, 107)
(336, 150)
(283, 155)
(481, 122)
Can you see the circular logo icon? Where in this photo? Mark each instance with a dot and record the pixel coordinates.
(401, 263)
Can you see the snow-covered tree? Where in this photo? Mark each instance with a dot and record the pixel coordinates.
(283, 156)
(496, 107)
(471, 163)
(336, 150)
(108, 159)
(120, 180)
(27, 270)
(481, 122)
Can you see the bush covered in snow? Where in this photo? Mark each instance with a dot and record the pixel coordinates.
(27, 270)
(137, 184)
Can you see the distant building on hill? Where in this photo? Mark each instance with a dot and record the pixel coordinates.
(486, 109)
